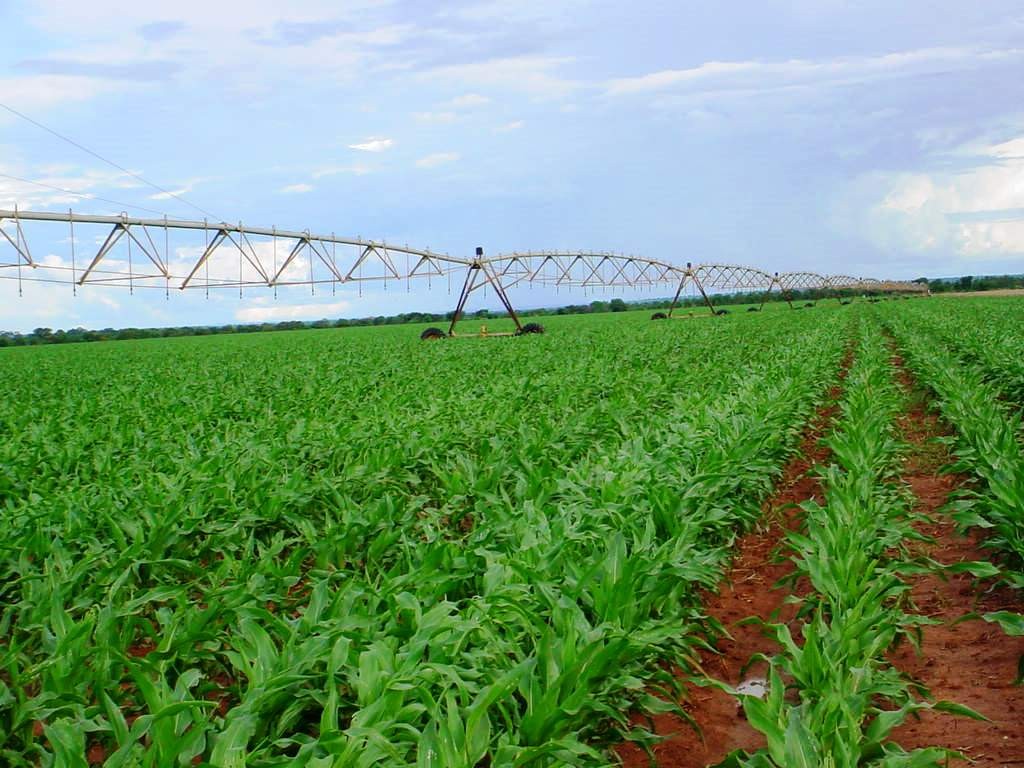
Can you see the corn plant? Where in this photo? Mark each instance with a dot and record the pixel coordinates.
(987, 444)
(986, 335)
(346, 548)
(847, 698)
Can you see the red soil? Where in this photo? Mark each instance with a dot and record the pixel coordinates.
(96, 754)
(746, 591)
(973, 662)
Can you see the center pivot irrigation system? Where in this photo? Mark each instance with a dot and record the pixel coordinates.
(170, 254)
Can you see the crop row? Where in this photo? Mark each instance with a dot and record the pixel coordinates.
(987, 442)
(832, 697)
(987, 446)
(364, 552)
(987, 335)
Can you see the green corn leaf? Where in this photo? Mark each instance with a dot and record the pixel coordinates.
(1011, 623)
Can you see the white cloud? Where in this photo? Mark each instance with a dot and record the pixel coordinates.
(1009, 150)
(373, 144)
(515, 125)
(448, 111)
(974, 212)
(105, 299)
(35, 93)
(356, 169)
(261, 313)
(656, 81)
(334, 43)
(38, 304)
(469, 101)
(436, 159)
(516, 11)
(772, 75)
(172, 193)
(296, 189)
(55, 306)
(534, 75)
(224, 262)
(49, 186)
(437, 118)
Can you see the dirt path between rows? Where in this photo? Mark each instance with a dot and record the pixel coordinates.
(973, 662)
(745, 591)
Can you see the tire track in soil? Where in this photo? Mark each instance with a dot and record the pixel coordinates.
(971, 663)
(745, 591)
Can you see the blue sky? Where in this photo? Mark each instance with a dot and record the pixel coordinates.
(871, 138)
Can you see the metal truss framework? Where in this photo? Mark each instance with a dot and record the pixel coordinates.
(139, 253)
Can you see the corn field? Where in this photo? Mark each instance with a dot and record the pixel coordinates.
(349, 548)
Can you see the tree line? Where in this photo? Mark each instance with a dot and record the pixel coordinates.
(72, 335)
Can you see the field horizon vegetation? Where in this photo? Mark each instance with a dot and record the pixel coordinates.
(599, 303)
(347, 547)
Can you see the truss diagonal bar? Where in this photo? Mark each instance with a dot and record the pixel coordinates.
(210, 248)
(112, 238)
(253, 260)
(156, 251)
(255, 257)
(567, 270)
(301, 243)
(436, 272)
(23, 249)
(21, 254)
(359, 263)
(385, 257)
(802, 281)
(318, 249)
(358, 260)
(594, 271)
(152, 256)
(623, 263)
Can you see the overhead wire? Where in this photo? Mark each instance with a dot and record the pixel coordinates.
(109, 162)
(84, 195)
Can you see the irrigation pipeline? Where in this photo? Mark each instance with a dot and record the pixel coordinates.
(180, 254)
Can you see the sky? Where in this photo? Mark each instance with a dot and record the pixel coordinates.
(868, 138)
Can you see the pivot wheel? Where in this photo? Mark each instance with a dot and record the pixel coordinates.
(659, 316)
(433, 333)
(530, 328)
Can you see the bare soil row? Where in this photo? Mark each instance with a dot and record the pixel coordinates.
(970, 662)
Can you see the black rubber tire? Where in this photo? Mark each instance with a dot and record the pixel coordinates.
(431, 334)
(844, 303)
(721, 312)
(659, 316)
(809, 304)
(753, 309)
(530, 328)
